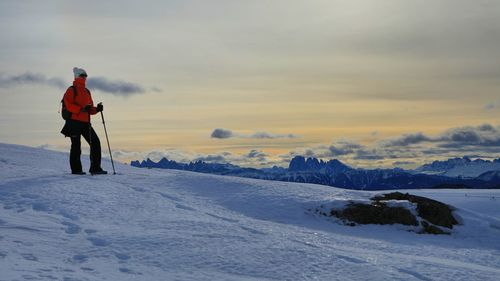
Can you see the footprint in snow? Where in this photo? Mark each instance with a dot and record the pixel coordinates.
(80, 258)
(350, 259)
(68, 215)
(71, 228)
(128, 271)
(29, 257)
(173, 198)
(30, 196)
(122, 256)
(70, 279)
(28, 244)
(90, 231)
(184, 207)
(222, 218)
(253, 231)
(414, 274)
(41, 207)
(139, 189)
(45, 277)
(99, 242)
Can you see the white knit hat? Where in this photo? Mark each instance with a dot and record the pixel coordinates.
(79, 71)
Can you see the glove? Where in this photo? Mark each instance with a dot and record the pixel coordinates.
(87, 108)
(99, 107)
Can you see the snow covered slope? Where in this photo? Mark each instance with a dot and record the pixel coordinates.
(172, 225)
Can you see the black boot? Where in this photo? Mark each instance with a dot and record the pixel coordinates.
(98, 171)
(79, 173)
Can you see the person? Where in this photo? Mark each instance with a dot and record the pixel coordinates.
(79, 103)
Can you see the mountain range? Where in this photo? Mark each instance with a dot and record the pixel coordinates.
(452, 173)
(460, 167)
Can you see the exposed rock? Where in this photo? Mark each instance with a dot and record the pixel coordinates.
(432, 214)
(377, 213)
(431, 210)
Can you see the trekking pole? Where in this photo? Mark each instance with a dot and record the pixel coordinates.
(107, 140)
(90, 144)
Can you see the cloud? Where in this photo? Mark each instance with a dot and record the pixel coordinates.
(464, 135)
(29, 78)
(483, 139)
(265, 135)
(484, 135)
(407, 139)
(211, 158)
(371, 154)
(408, 149)
(453, 142)
(487, 127)
(492, 105)
(115, 87)
(220, 133)
(257, 155)
(344, 148)
(403, 163)
(254, 153)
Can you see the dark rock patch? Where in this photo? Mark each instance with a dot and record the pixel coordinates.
(377, 213)
(431, 214)
(433, 211)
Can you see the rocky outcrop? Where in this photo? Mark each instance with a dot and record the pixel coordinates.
(424, 214)
(377, 213)
(431, 210)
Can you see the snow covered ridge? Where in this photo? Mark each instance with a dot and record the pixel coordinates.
(336, 173)
(151, 224)
(460, 167)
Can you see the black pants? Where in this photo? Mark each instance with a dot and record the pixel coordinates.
(92, 139)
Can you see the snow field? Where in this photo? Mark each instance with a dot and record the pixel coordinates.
(172, 225)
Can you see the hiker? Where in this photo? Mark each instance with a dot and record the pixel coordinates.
(79, 106)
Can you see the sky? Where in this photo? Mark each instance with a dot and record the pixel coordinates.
(373, 83)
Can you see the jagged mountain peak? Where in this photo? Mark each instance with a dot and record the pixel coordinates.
(300, 163)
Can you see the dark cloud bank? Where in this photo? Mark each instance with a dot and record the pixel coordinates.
(114, 87)
(406, 149)
(220, 133)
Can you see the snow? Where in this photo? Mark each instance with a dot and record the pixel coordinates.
(459, 167)
(148, 224)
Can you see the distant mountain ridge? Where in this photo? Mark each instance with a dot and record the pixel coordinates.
(459, 167)
(338, 174)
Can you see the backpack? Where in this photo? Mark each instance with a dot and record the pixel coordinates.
(65, 114)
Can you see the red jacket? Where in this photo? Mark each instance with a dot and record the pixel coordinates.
(75, 105)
